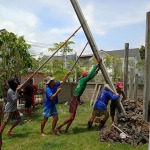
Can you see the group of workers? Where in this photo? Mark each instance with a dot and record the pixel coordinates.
(52, 90)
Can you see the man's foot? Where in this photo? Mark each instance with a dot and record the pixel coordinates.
(10, 134)
(43, 134)
(89, 125)
(56, 132)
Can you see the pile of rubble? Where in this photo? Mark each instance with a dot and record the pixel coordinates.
(131, 128)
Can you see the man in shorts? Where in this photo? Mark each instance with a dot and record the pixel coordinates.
(119, 87)
(28, 92)
(100, 107)
(50, 102)
(75, 100)
(11, 111)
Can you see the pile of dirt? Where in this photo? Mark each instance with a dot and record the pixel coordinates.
(135, 130)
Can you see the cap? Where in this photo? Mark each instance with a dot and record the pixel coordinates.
(84, 74)
(120, 85)
(48, 79)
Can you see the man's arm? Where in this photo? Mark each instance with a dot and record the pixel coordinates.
(107, 87)
(56, 93)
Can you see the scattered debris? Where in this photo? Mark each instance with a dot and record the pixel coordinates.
(131, 128)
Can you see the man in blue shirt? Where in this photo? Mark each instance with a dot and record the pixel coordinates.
(51, 99)
(100, 107)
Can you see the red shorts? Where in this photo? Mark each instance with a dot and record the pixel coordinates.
(73, 105)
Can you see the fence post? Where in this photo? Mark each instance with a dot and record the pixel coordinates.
(135, 86)
(147, 69)
(125, 78)
(131, 84)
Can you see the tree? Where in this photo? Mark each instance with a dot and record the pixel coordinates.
(114, 66)
(142, 52)
(14, 57)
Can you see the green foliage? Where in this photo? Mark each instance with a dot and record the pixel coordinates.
(114, 64)
(14, 55)
(142, 52)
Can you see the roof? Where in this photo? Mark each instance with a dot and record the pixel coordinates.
(132, 52)
(68, 57)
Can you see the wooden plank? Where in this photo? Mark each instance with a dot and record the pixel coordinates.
(97, 94)
(91, 102)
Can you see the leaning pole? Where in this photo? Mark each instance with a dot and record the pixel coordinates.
(92, 43)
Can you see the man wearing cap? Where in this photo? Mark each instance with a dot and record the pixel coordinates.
(100, 106)
(119, 87)
(51, 99)
(75, 100)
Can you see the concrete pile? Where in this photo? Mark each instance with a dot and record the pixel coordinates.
(132, 128)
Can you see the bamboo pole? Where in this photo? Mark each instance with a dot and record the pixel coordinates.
(50, 57)
(79, 56)
(75, 62)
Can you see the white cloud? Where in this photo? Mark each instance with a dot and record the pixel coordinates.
(51, 21)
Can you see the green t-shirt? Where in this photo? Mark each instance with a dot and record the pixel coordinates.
(83, 81)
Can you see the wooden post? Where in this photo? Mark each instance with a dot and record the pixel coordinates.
(125, 80)
(91, 103)
(131, 84)
(135, 86)
(147, 69)
(97, 94)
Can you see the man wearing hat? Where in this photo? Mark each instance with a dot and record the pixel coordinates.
(51, 99)
(75, 100)
(119, 87)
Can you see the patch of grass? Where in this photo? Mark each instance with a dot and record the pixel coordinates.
(28, 134)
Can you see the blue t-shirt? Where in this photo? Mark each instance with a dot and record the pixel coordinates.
(103, 99)
(49, 92)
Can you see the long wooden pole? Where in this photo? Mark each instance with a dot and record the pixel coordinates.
(50, 57)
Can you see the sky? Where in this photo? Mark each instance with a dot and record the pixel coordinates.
(44, 22)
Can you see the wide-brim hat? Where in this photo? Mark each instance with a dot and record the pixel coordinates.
(48, 79)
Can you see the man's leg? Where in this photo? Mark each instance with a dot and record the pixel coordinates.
(112, 110)
(43, 125)
(72, 116)
(9, 132)
(55, 119)
(90, 122)
(104, 120)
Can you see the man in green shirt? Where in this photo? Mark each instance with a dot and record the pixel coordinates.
(75, 100)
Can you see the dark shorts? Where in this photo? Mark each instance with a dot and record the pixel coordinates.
(99, 113)
(73, 105)
(11, 116)
(112, 108)
(28, 103)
